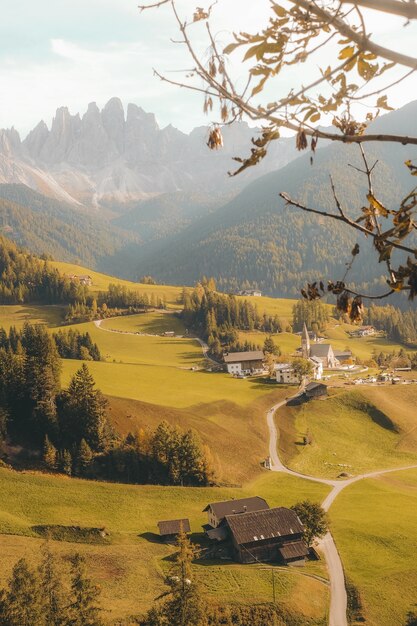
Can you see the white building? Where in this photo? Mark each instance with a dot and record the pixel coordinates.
(285, 374)
(243, 363)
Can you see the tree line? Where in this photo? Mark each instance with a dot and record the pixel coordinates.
(70, 344)
(71, 429)
(400, 326)
(218, 317)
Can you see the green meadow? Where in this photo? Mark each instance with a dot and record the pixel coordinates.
(132, 558)
(374, 526)
(352, 432)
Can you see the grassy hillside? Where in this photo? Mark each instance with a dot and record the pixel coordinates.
(132, 558)
(374, 525)
(353, 432)
(102, 281)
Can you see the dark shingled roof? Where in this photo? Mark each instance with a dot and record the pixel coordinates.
(294, 550)
(230, 507)
(320, 349)
(312, 386)
(260, 525)
(174, 526)
(236, 357)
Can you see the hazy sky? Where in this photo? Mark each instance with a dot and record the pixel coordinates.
(72, 52)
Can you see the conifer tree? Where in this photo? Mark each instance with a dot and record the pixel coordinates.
(52, 598)
(84, 412)
(65, 462)
(84, 458)
(186, 606)
(49, 454)
(20, 603)
(84, 609)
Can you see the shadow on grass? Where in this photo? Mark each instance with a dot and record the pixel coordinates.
(151, 537)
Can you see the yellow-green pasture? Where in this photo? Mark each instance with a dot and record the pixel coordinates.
(17, 315)
(102, 281)
(374, 523)
(132, 558)
(351, 432)
(153, 322)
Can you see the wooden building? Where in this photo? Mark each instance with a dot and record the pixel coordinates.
(268, 535)
(217, 511)
(251, 362)
(315, 390)
(170, 529)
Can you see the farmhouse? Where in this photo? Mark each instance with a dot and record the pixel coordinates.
(239, 363)
(250, 292)
(82, 279)
(363, 331)
(217, 511)
(315, 390)
(170, 529)
(268, 535)
(285, 374)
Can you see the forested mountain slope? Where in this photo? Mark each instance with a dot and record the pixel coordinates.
(255, 239)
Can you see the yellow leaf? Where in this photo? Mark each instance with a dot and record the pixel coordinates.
(346, 52)
(376, 205)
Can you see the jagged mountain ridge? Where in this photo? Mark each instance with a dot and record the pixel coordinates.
(107, 157)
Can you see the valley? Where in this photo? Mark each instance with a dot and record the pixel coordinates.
(148, 377)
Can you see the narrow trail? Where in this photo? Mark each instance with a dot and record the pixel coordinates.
(338, 595)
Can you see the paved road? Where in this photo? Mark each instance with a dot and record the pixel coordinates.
(338, 595)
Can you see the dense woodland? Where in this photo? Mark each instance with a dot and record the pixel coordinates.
(399, 325)
(218, 317)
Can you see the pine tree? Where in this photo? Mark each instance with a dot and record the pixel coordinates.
(49, 454)
(84, 458)
(20, 603)
(52, 598)
(65, 462)
(84, 412)
(84, 610)
(186, 606)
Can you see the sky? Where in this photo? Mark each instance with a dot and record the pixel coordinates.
(72, 52)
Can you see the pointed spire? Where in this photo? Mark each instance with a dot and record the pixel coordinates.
(305, 342)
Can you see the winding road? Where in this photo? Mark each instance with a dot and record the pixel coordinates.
(338, 595)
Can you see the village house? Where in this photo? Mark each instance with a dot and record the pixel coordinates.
(363, 331)
(243, 363)
(217, 512)
(285, 374)
(315, 390)
(250, 292)
(268, 535)
(170, 529)
(82, 279)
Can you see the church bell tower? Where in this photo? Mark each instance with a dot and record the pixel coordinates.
(305, 343)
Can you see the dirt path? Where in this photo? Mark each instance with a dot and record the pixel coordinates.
(338, 595)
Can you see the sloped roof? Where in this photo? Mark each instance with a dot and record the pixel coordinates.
(260, 525)
(320, 349)
(242, 505)
(174, 526)
(235, 357)
(293, 550)
(312, 386)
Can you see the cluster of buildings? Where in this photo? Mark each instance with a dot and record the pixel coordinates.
(320, 355)
(252, 531)
(363, 331)
(81, 279)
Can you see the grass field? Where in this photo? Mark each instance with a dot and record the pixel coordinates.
(353, 432)
(374, 523)
(102, 281)
(133, 559)
(17, 315)
(154, 322)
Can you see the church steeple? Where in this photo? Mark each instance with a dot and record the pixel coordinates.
(305, 342)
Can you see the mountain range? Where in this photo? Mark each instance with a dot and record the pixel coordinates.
(110, 157)
(194, 220)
